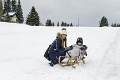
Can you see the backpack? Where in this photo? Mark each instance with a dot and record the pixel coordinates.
(46, 55)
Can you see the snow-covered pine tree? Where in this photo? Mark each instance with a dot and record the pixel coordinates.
(33, 18)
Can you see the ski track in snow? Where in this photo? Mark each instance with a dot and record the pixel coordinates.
(111, 63)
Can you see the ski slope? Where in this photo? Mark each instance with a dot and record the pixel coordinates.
(22, 48)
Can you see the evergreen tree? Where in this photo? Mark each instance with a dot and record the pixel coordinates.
(71, 24)
(19, 12)
(112, 25)
(58, 24)
(5, 7)
(7, 18)
(118, 25)
(33, 18)
(103, 22)
(115, 25)
(62, 24)
(8, 6)
(67, 25)
(13, 5)
(48, 23)
(53, 24)
(1, 9)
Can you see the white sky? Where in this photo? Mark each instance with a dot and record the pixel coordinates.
(89, 12)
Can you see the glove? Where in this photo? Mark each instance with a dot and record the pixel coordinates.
(84, 47)
(68, 48)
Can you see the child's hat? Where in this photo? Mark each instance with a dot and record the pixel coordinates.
(79, 40)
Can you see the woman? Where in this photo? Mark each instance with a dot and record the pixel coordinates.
(58, 47)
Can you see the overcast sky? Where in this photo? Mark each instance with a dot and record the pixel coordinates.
(89, 12)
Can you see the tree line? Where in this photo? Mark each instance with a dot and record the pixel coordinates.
(33, 18)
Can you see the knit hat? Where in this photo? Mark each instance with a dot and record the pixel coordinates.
(79, 40)
(63, 31)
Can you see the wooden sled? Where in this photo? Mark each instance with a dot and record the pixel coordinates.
(71, 61)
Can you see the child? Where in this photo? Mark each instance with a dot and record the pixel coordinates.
(79, 50)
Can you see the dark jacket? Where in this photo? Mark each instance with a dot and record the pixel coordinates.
(56, 46)
(56, 50)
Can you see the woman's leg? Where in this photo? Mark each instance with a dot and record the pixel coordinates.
(54, 57)
(62, 54)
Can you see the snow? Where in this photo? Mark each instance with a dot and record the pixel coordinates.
(22, 48)
(11, 13)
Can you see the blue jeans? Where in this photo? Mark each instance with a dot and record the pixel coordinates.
(54, 56)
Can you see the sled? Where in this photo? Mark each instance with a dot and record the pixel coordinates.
(71, 61)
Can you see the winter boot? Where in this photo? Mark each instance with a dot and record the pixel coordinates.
(51, 64)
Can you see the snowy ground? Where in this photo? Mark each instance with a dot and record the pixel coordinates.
(22, 48)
